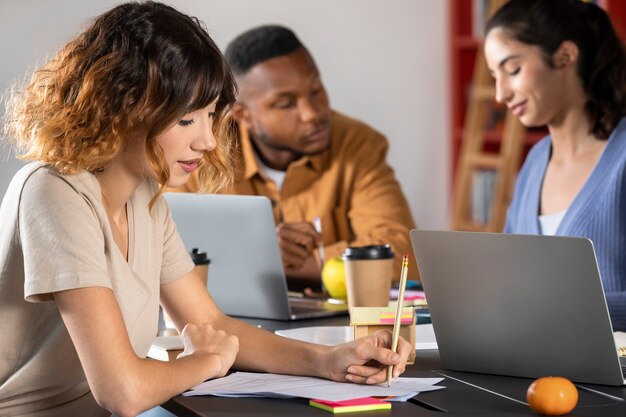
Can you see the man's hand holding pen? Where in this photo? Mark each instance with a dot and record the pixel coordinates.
(297, 242)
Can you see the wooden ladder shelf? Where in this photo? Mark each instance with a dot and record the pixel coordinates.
(473, 157)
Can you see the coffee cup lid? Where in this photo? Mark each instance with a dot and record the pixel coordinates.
(368, 252)
(199, 258)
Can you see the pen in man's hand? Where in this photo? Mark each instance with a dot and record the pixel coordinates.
(317, 223)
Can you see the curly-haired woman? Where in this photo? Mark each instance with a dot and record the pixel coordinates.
(88, 249)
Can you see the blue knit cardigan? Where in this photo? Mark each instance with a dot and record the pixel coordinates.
(598, 212)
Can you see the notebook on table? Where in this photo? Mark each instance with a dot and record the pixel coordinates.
(246, 276)
(518, 305)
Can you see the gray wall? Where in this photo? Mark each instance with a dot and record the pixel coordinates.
(384, 62)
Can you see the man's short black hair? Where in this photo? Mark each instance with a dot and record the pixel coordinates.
(260, 44)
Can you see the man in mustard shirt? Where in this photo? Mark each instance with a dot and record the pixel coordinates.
(309, 160)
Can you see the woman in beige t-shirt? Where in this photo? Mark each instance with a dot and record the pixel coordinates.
(88, 250)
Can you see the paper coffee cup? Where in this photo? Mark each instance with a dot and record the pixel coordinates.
(369, 273)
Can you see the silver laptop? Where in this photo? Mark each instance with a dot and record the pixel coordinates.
(246, 276)
(518, 305)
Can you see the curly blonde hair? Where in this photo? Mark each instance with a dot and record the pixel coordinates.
(133, 72)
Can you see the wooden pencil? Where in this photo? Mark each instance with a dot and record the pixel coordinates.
(396, 323)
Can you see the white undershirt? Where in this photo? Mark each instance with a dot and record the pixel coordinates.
(550, 222)
(273, 174)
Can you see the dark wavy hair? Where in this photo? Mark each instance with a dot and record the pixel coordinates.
(602, 61)
(131, 74)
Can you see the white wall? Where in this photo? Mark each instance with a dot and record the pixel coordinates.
(384, 62)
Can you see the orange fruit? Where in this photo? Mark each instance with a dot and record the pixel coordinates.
(552, 396)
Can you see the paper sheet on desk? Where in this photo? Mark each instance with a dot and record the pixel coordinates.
(334, 335)
(247, 384)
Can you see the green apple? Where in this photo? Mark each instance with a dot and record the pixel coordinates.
(334, 278)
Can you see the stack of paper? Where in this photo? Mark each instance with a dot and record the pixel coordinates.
(247, 384)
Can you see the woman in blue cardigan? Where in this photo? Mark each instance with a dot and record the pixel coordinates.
(560, 63)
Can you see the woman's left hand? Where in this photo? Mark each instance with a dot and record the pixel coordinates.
(365, 360)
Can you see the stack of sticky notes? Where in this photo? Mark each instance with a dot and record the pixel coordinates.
(349, 406)
(411, 297)
(389, 317)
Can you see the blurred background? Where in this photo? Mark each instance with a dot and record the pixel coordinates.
(384, 62)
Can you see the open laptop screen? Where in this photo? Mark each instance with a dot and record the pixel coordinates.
(517, 305)
(246, 276)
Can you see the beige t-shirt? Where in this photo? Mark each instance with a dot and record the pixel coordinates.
(55, 235)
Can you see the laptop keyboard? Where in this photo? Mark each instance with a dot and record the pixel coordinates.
(305, 304)
(302, 306)
(622, 362)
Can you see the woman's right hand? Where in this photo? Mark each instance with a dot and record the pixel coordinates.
(216, 347)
